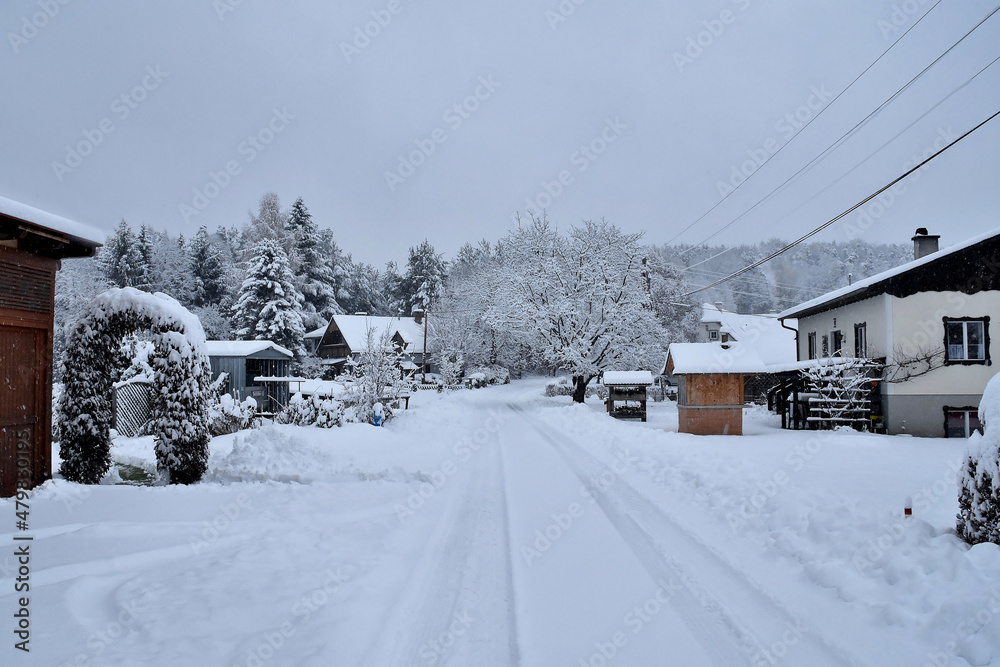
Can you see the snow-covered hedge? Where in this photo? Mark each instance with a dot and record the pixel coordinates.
(979, 486)
(563, 387)
(493, 374)
(227, 415)
(315, 410)
(181, 378)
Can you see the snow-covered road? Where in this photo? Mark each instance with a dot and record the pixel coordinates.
(497, 527)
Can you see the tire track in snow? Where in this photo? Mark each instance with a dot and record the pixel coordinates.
(749, 633)
(460, 592)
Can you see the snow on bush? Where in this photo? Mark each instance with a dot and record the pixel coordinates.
(314, 410)
(181, 377)
(493, 374)
(227, 415)
(563, 387)
(979, 486)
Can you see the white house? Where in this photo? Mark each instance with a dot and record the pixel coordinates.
(928, 321)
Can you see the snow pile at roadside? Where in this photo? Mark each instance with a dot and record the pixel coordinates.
(829, 506)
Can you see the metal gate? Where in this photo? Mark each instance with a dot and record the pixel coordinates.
(132, 407)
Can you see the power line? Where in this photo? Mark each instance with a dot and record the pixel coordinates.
(820, 113)
(838, 217)
(847, 135)
(898, 134)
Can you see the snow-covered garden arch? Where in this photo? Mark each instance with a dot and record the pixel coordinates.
(180, 385)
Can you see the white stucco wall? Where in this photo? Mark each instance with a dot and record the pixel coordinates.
(870, 311)
(917, 322)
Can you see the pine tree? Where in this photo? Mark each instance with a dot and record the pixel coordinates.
(267, 307)
(314, 276)
(423, 280)
(207, 270)
(121, 259)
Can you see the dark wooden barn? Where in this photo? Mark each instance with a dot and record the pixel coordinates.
(32, 243)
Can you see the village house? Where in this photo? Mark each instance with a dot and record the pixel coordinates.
(925, 323)
(341, 342)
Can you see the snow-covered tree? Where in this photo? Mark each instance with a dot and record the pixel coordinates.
(315, 275)
(267, 306)
(121, 258)
(181, 379)
(979, 486)
(668, 291)
(378, 372)
(269, 223)
(207, 270)
(582, 296)
(423, 279)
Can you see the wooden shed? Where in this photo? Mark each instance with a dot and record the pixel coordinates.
(710, 385)
(32, 243)
(258, 369)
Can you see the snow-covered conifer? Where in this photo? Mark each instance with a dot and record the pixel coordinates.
(267, 306)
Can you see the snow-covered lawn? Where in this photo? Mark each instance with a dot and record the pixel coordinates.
(497, 527)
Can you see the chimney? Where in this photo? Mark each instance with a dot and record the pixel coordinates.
(924, 243)
(418, 315)
(718, 306)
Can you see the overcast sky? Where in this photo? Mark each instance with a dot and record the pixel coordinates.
(642, 109)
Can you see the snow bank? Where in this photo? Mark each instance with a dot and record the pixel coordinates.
(828, 508)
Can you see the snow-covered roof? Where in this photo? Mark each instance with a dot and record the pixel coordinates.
(355, 330)
(243, 348)
(714, 358)
(317, 333)
(862, 286)
(772, 343)
(79, 232)
(612, 378)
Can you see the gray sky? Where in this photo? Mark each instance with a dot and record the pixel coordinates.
(199, 79)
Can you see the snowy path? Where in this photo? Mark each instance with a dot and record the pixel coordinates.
(497, 528)
(715, 615)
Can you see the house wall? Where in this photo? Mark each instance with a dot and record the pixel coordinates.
(908, 325)
(235, 366)
(870, 311)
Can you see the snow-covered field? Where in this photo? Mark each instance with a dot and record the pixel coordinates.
(498, 527)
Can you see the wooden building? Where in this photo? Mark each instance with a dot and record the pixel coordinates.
(710, 385)
(340, 343)
(32, 243)
(257, 369)
(628, 389)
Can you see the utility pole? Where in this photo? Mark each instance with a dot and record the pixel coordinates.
(423, 358)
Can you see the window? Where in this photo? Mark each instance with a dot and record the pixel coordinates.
(826, 346)
(966, 340)
(961, 422)
(836, 343)
(861, 340)
(713, 335)
(812, 345)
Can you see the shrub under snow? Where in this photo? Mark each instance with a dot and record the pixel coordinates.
(315, 410)
(181, 377)
(979, 486)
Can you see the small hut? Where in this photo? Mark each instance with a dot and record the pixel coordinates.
(31, 244)
(257, 369)
(629, 389)
(710, 385)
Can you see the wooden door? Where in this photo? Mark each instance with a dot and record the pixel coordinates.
(20, 412)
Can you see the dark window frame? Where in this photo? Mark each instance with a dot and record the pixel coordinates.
(985, 361)
(713, 335)
(859, 351)
(966, 409)
(811, 348)
(836, 343)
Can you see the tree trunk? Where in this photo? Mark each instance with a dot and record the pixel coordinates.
(580, 383)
